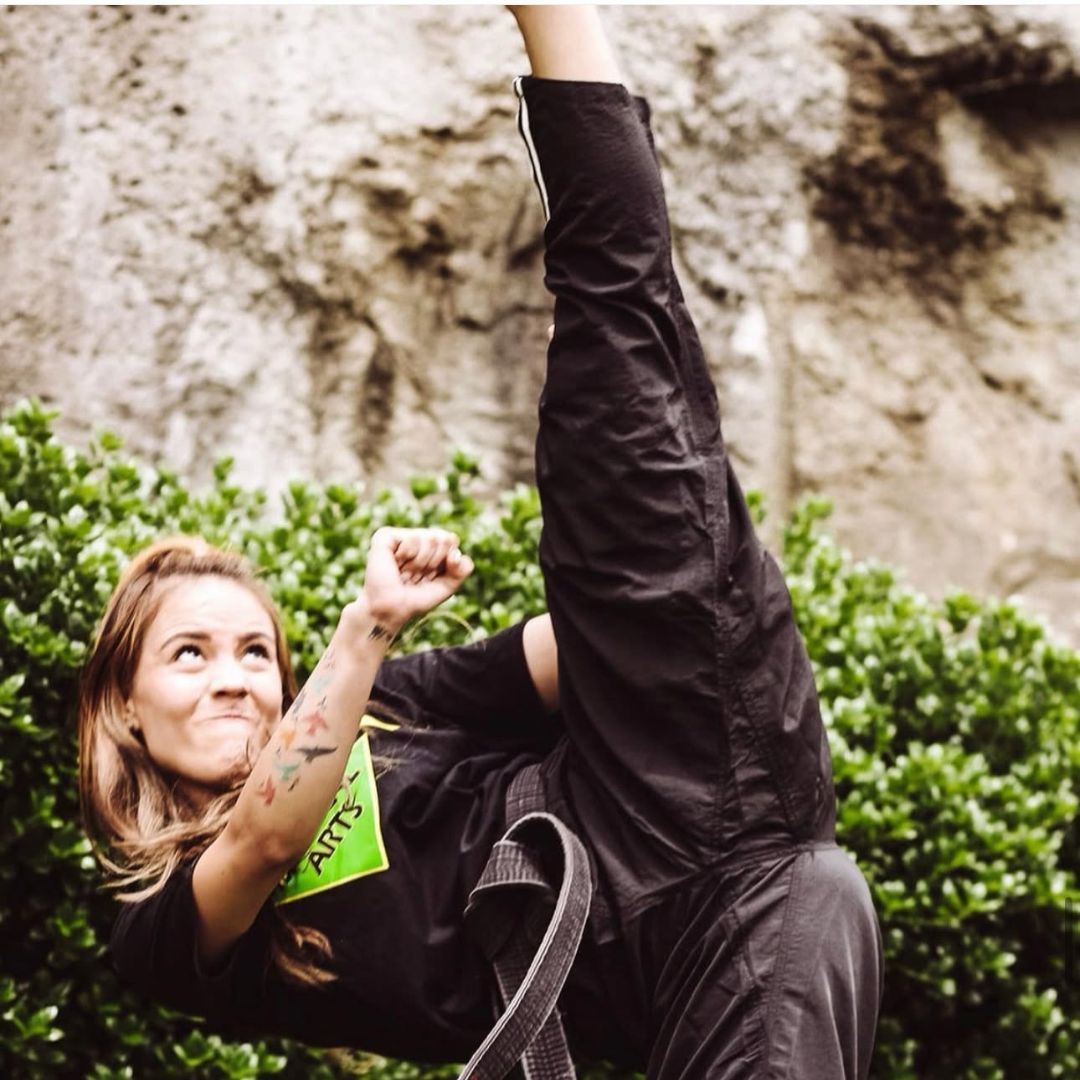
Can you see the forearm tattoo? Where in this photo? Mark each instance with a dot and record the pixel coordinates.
(290, 755)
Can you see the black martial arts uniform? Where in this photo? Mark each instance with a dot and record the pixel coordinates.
(729, 935)
(695, 765)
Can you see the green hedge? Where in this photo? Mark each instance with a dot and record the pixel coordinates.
(955, 729)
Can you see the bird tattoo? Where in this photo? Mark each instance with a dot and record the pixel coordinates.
(315, 722)
(285, 771)
(312, 752)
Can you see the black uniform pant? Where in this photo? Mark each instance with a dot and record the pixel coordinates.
(731, 937)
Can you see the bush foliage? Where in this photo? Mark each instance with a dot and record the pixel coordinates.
(955, 729)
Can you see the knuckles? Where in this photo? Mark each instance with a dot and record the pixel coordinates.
(420, 550)
(388, 535)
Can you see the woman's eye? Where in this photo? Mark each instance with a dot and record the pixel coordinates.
(194, 650)
(259, 650)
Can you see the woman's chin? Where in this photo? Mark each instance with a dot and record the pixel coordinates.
(227, 763)
(232, 767)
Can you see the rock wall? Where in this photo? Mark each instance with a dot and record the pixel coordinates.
(308, 238)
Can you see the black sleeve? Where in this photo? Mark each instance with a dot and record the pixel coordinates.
(484, 687)
(154, 950)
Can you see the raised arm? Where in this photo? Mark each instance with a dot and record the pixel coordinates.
(296, 776)
(566, 42)
(505, 685)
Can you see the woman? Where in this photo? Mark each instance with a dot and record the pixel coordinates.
(728, 936)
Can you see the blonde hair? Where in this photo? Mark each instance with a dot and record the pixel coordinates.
(140, 823)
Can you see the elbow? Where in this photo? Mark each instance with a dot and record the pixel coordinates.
(271, 850)
(542, 660)
(280, 854)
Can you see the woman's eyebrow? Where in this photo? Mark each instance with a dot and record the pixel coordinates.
(196, 635)
(202, 635)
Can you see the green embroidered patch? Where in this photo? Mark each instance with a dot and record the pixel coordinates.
(349, 843)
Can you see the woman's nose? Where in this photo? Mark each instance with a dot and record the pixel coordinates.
(229, 677)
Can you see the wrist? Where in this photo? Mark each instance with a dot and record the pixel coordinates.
(363, 625)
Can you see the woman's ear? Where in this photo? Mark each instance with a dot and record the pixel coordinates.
(131, 720)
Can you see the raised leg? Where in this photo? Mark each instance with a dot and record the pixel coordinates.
(685, 689)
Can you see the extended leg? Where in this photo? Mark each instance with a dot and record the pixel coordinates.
(684, 687)
(631, 472)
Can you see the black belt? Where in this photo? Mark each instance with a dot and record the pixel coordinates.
(530, 934)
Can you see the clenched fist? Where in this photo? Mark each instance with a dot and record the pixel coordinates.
(411, 571)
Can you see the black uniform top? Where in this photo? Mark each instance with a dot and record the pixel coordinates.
(410, 984)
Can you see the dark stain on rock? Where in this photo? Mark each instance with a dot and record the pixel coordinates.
(428, 249)
(886, 189)
(375, 408)
(1072, 470)
(1059, 101)
(416, 222)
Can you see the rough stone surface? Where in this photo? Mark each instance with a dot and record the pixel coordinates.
(307, 237)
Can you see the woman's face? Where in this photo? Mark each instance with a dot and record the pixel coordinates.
(207, 684)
